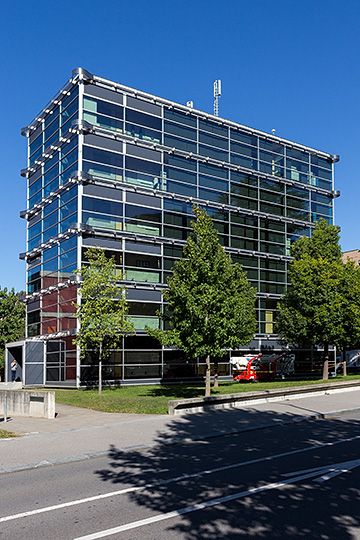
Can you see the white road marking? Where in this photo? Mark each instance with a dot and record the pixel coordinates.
(193, 508)
(172, 480)
(328, 471)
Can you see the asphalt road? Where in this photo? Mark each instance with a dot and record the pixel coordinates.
(295, 481)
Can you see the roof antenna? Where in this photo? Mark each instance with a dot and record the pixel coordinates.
(217, 94)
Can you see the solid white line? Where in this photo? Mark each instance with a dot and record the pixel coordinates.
(192, 508)
(170, 480)
(67, 504)
(328, 471)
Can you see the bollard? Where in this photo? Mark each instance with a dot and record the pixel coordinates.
(5, 408)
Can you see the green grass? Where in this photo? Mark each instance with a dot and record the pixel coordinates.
(6, 434)
(154, 399)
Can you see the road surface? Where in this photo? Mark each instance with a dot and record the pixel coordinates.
(295, 481)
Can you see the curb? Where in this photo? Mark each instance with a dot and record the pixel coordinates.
(229, 401)
(174, 441)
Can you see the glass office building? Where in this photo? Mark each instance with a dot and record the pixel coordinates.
(118, 168)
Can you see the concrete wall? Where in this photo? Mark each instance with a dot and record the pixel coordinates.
(28, 403)
(11, 386)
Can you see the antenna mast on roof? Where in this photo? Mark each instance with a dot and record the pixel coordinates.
(217, 94)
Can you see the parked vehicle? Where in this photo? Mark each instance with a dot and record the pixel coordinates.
(352, 361)
(262, 368)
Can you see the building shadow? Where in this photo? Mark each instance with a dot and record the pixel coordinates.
(305, 509)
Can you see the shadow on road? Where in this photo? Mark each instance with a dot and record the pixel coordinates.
(301, 510)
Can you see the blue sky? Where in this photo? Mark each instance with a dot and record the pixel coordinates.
(287, 65)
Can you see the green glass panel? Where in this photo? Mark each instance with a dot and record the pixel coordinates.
(142, 228)
(142, 275)
(141, 322)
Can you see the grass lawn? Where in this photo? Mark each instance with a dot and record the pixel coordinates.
(6, 434)
(154, 399)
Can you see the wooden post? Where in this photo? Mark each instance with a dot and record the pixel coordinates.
(326, 362)
(100, 368)
(216, 375)
(207, 377)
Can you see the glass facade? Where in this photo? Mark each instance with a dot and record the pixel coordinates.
(116, 168)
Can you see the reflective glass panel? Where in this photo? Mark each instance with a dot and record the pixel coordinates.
(220, 155)
(103, 171)
(103, 121)
(297, 154)
(178, 206)
(51, 129)
(35, 230)
(244, 178)
(182, 189)
(182, 176)
(144, 180)
(212, 127)
(103, 107)
(214, 183)
(271, 146)
(141, 132)
(212, 140)
(180, 131)
(141, 165)
(101, 205)
(182, 163)
(69, 111)
(182, 118)
(50, 253)
(212, 170)
(241, 136)
(138, 212)
(182, 144)
(321, 162)
(68, 244)
(243, 149)
(244, 161)
(212, 195)
(142, 119)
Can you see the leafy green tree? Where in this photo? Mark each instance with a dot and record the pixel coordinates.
(102, 312)
(210, 303)
(12, 320)
(323, 244)
(349, 333)
(322, 303)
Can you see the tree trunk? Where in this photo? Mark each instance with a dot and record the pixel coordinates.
(207, 377)
(100, 369)
(344, 362)
(216, 375)
(326, 362)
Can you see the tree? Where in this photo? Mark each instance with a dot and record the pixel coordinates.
(322, 304)
(102, 312)
(12, 320)
(349, 337)
(210, 303)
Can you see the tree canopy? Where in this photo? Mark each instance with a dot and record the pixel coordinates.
(102, 312)
(12, 320)
(322, 303)
(323, 244)
(210, 303)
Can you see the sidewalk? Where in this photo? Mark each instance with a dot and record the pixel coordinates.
(77, 433)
